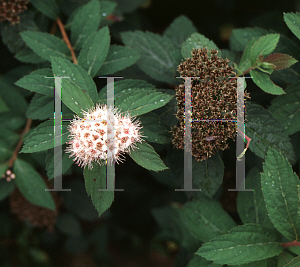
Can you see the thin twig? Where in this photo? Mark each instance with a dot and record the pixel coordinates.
(19, 145)
(290, 244)
(66, 39)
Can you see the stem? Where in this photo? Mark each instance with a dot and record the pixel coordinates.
(19, 145)
(290, 244)
(246, 71)
(66, 39)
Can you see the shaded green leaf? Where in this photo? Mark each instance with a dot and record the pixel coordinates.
(36, 81)
(94, 51)
(293, 263)
(245, 62)
(64, 68)
(284, 258)
(26, 55)
(68, 224)
(197, 40)
(32, 185)
(198, 261)
(279, 186)
(6, 151)
(5, 187)
(141, 101)
(46, 44)
(40, 108)
(206, 219)
(85, 22)
(42, 137)
(251, 206)
(118, 58)
(292, 20)
(265, 131)
(156, 60)
(286, 109)
(179, 30)
(243, 244)
(263, 81)
(145, 156)
(47, 7)
(96, 179)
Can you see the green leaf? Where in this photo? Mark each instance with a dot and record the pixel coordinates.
(243, 244)
(141, 101)
(281, 61)
(197, 40)
(284, 258)
(118, 58)
(265, 131)
(292, 20)
(263, 81)
(64, 68)
(12, 121)
(263, 46)
(68, 224)
(10, 137)
(46, 44)
(198, 261)
(245, 62)
(279, 186)
(6, 151)
(285, 109)
(293, 263)
(5, 187)
(26, 55)
(41, 107)
(251, 206)
(96, 179)
(94, 51)
(145, 156)
(3, 106)
(179, 30)
(208, 175)
(240, 38)
(155, 50)
(42, 137)
(36, 81)
(106, 8)
(31, 185)
(85, 22)
(156, 130)
(66, 163)
(206, 219)
(47, 7)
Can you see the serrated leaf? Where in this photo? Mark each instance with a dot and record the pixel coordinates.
(243, 244)
(284, 258)
(96, 179)
(31, 185)
(292, 20)
(285, 109)
(281, 61)
(41, 107)
(66, 162)
(46, 44)
(208, 175)
(263, 81)
(118, 58)
(145, 156)
(42, 137)
(106, 8)
(64, 68)
(156, 60)
(94, 51)
(263, 46)
(197, 40)
(206, 219)
(156, 130)
(198, 261)
(251, 205)
(141, 101)
(85, 22)
(36, 81)
(240, 38)
(179, 30)
(245, 62)
(266, 132)
(26, 55)
(47, 7)
(279, 186)
(293, 263)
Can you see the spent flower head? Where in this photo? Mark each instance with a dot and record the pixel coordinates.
(102, 135)
(214, 99)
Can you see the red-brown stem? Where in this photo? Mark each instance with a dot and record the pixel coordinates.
(66, 39)
(19, 145)
(291, 244)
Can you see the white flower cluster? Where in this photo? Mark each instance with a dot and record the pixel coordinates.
(101, 136)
